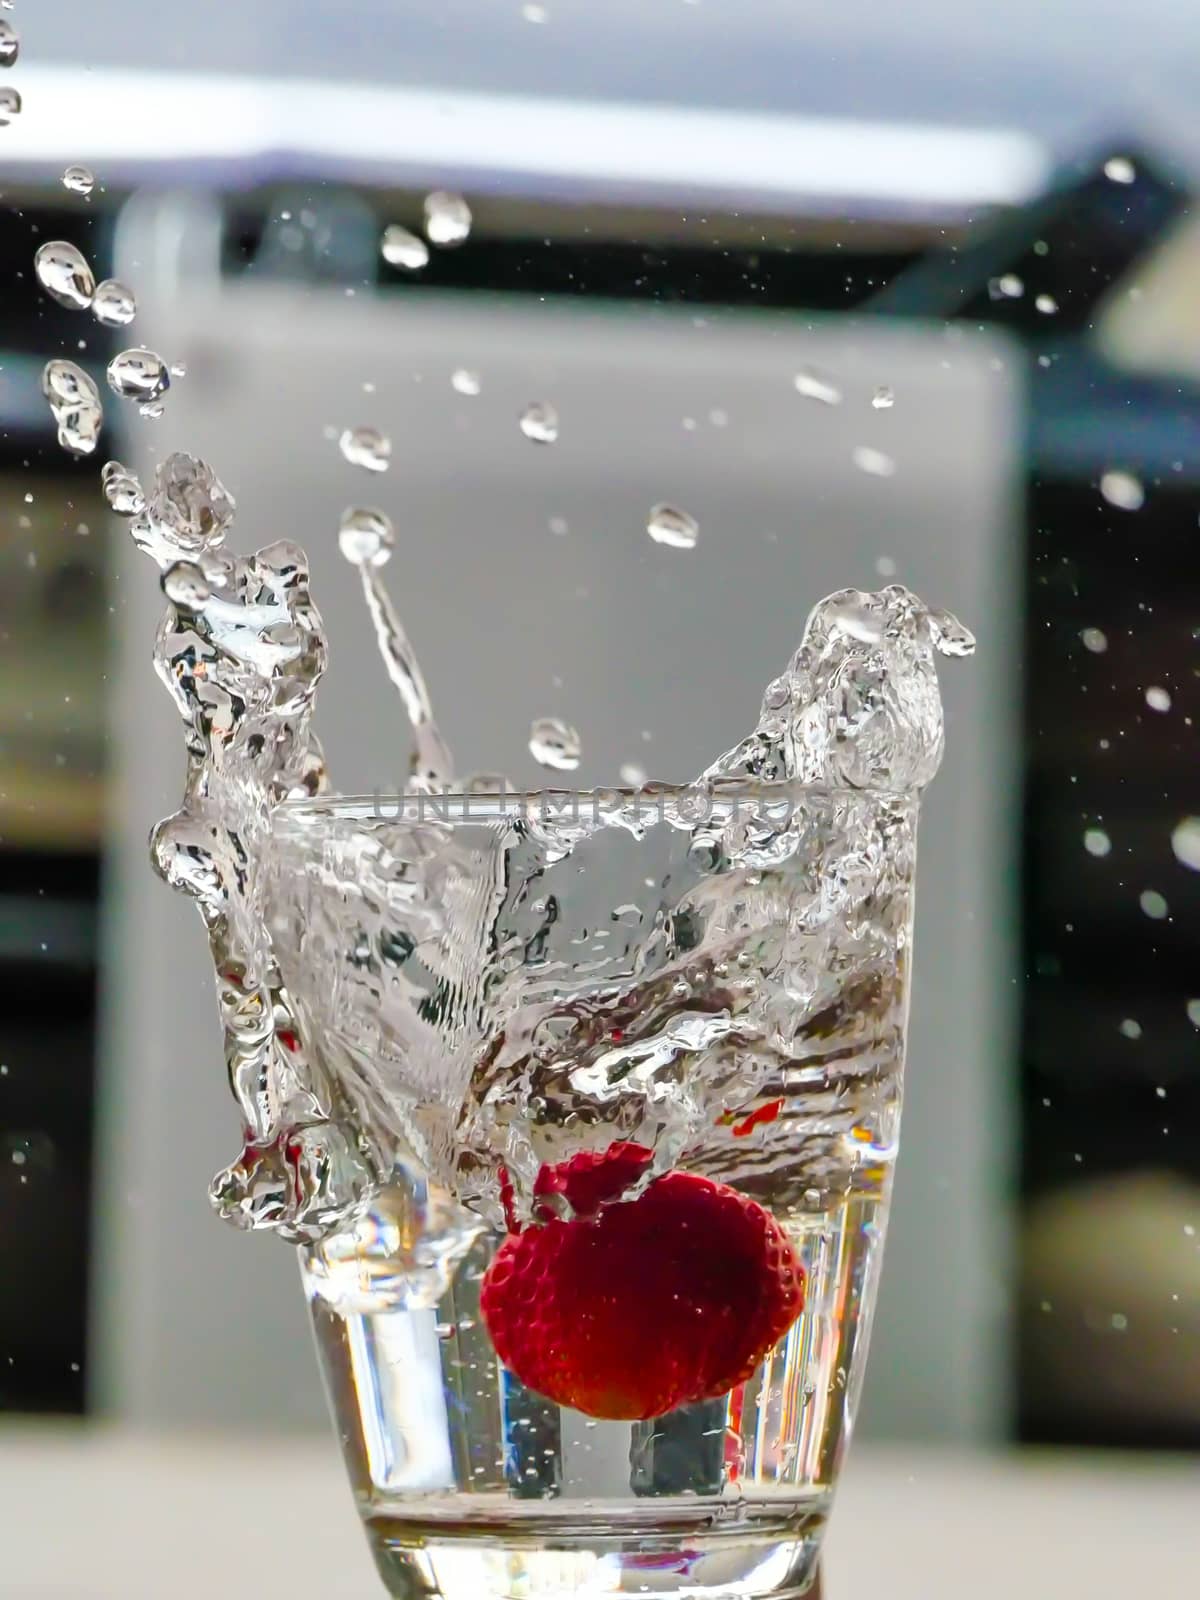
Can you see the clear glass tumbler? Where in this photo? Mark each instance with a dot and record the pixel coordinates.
(641, 1055)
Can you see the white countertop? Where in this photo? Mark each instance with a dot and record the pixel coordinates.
(98, 1514)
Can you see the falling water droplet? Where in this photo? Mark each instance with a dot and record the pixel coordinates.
(122, 490)
(114, 304)
(1185, 842)
(366, 536)
(884, 398)
(75, 403)
(138, 375)
(670, 526)
(400, 248)
(1119, 169)
(1193, 1013)
(367, 448)
(10, 44)
(1006, 287)
(1158, 698)
(1096, 842)
(464, 381)
(873, 462)
(885, 567)
(185, 586)
(1095, 640)
(814, 387)
(1046, 304)
(539, 422)
(10, 105)
(534, 13)
(1153, 904)
(633, 776)
(555, 744)
(1131, 1028)
(65, 275)
(1123, 490)
(79, 180)
(447, 218)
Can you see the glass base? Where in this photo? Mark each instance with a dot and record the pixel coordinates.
(428, 1560)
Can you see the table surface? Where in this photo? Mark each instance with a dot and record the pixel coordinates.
(89, 1513)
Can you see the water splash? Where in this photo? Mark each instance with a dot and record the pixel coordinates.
(139, 375)
(63, 272)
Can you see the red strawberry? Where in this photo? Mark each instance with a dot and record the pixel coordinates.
(634, 1307)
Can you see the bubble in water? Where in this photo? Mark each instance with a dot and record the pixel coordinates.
(63, 272)
(1119, 169)
(10, 44)
(1123, 490)
(815, 387)
(400, 248)
(122, 490)
(1095, 640)
(447, 218)
(539, 422)
(1158, 698)
(10, 105)
(464, 381)
(1006, 287)
(138, 375)
(185, 586)
(1046, 304)
(1185, 842)
(79, 180)
(367, 448)
(114, 304)
(75, 403)
(670, 526)
(884, 398)
(1153, 904)
(366, 536)
(1131, 1029)
(555, 744)
(1096, 842)
(873, 462)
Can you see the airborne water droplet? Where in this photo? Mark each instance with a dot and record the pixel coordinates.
(884, 398)
(400, 248)
(1046, 304)
(1096, 842)
(10, 44)
(367, 448)
(138, 375)
(1158, 698)
(1131, 1028)
(1006, 287)
(464, 381)
(1193, 1013)
(447, 218)
(114, 304)
(79, 180)
(185, 586)
(675, 528)
(632, 775)
(63, 272)
(1123, 490)
(814, 387)
(75, 402)
(1153, 904)
(1095, 640)
(366, 536)
(1119, 169)
(873, 462)
(10, 105)
(539, 422)
(122, 490)
(1185, 842)
(555, 744)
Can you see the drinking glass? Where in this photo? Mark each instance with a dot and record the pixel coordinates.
(716, 978)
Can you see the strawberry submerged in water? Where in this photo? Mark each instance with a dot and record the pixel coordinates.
(634, 1307)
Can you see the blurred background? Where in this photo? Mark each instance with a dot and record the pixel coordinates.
(877, 295)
